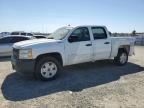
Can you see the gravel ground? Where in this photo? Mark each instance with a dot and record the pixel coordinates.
(89, 85)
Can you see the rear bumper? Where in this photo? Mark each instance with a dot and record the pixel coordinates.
(24, 67)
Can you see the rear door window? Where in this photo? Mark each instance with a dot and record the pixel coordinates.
(99, 33)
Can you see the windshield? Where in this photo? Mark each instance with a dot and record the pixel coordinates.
(59, 34)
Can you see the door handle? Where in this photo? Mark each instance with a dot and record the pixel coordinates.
(107, 43)
(88, 44)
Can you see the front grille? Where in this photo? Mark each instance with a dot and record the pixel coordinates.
(15, 53)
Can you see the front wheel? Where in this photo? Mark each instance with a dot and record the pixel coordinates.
(47, 68)
(122, 58)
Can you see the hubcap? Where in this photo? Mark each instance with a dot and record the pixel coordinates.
(123, 58)
(48, 69)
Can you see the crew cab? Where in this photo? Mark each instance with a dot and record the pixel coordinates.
(44, 58)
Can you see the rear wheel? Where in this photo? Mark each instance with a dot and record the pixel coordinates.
(122, 58)
(47, 69)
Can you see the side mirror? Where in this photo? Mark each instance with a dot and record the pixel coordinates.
(73, 38)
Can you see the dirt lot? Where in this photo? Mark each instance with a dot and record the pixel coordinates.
(100, 85)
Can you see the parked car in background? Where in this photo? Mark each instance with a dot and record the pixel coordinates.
(44, 58)
(2, 34)
(21, 34)
(7, 42)
(27, 34)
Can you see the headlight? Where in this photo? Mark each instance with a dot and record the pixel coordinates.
(25, 54)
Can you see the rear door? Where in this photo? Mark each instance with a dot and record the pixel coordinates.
(101, 43)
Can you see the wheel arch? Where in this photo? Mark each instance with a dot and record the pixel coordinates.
(56, 55)
(124, 48)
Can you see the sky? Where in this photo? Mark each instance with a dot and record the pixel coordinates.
(48, 15)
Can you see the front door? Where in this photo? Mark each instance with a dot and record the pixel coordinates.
(79, 46)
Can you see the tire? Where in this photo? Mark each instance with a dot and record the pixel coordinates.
(122, 58)
(47, 69)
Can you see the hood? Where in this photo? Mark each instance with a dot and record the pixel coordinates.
(34, 42)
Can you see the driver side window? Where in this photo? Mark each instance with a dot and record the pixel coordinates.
(80, 34)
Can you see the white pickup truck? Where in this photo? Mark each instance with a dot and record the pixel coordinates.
(44, 58)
